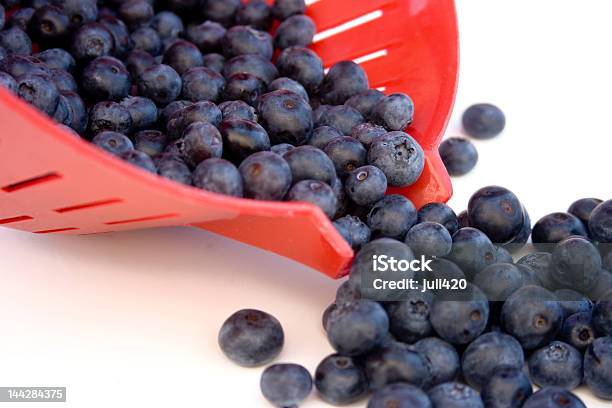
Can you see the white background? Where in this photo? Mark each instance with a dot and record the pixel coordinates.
(131, 320)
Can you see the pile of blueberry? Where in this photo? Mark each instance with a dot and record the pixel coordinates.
(199, 92)
(544, 319)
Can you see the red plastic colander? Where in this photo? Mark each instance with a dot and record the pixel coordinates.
(54, 183)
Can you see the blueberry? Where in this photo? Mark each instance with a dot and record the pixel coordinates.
(573, 302)
(151, 142)
(487, 354)
(202, 84)
(310, 163)
(80, 11)
(206, 36)
(171, 109)
(607, 261)
(21, 18)
(347, 154)
(322, 135)
(392, 217)
(302, 65)
(19, 65)
(399, 156)
(238, 110)
(218, 176)
(242, 138)
(136, 13)
(92, 40)
(221, 11)
(49, 25)
(532, 316)
(182, 56)
(554, 397)
(288, 84)
(540, 263)
(356, 231)
(111, 116)
(578, 330)
(203, 111)
(214, 62)
(348, 292)
(557, 364)
(458, 155)
(444, 269)
(38, 91)
(146, 39)
(8, 82)
(113, 142)
(139, 159)
(342, 117)
(161, 83)
(251, 64)
(63, 80)
(430, 239)
(483, 121)
(142, 110)
(266, 176)
(283, 9)
(367, 132)
(455, 395)
(241, 40)
(460, 317)
(357, 328)
(409, 318)
(251, 337)
(344, 80)
(602, 286)
(15, 41)
(399, 395)
(600, 223)
(598, 367)
(472, 250)
(314, 192)
(463, 219)
(167, 24)
(583, 208)
(365, 185)
(602, 314)
(57, 58)
(78, 112)
(200, 141)
(137, 61)
(173, 168)
(440, 213)
(340, 380)
(365, 101)
(444, 363)
(576, 263)
(2, 16)
(393, 112)
(499, 280)
(286, 385)
(396, 363)
(362, 264)
(244, 87)
(497, 212)
(519, 240)
(286, 116)
(255, 13)
(106, 78)
(508, 387)
(120, 34)
(296, 31)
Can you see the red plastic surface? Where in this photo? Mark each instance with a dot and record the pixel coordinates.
(54, 183)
